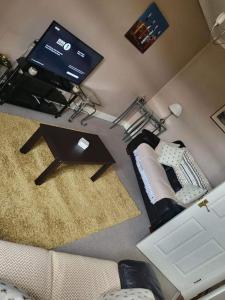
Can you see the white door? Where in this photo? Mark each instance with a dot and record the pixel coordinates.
(190, 249)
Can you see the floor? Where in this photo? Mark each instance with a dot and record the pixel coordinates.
(117, 242)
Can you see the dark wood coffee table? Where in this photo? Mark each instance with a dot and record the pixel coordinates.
(63, 143)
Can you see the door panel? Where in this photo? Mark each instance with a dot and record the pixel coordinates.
(179, 236)
(219, 208)
(199, 257)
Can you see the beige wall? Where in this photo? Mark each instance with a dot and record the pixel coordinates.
(200, 88)
(125, 73)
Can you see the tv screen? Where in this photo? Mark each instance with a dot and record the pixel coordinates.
(60, 52)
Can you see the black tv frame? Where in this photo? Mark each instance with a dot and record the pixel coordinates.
(60, 76)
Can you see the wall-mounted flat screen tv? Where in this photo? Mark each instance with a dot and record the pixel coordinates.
(63, 54)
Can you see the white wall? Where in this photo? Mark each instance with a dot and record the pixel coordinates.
(200, 88)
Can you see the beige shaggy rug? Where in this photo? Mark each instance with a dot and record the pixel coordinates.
(67, 207)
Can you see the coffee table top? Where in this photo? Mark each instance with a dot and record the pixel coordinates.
(63, 144)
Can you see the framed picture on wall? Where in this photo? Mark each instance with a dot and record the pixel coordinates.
(219, 118)
(147, 29)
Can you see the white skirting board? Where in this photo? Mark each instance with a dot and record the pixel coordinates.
(104, 116)
(101, 115)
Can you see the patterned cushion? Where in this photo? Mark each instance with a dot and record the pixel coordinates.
(162, 144)
(128, 294)
(190, 193)
(10, 292)
(170, 155)
(181, 176)
(193, 181)
(192, 173)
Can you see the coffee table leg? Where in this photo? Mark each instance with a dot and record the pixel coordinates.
(31, 142)
(50, 169)
(100, 172)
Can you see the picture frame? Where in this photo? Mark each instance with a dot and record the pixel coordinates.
(219, 118)
(147, 28)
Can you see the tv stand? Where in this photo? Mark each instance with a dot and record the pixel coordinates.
(41, 92)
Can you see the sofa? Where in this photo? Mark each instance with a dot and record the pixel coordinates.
(50, 275)
(169, 171)
(165, 209)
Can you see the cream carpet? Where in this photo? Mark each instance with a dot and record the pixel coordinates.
(65, 208)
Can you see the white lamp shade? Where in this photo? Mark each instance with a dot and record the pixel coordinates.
(176, 109)
(220, 19)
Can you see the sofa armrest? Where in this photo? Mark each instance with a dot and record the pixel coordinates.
(28, 268)
(138, 274)
(145, 137)
(50, 275)
(180, 143)
(78, 277)
(166, 209)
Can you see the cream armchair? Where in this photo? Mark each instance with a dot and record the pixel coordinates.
(48, 275)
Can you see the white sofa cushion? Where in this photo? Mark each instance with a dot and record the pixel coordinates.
(128, 294)
(170, 156)
(156, 183)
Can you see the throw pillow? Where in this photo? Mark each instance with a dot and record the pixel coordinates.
(10, 292)
(170, 155)
(181, 176)
(128, 294)
(192, 173)
(162, 143)
(190, 193)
